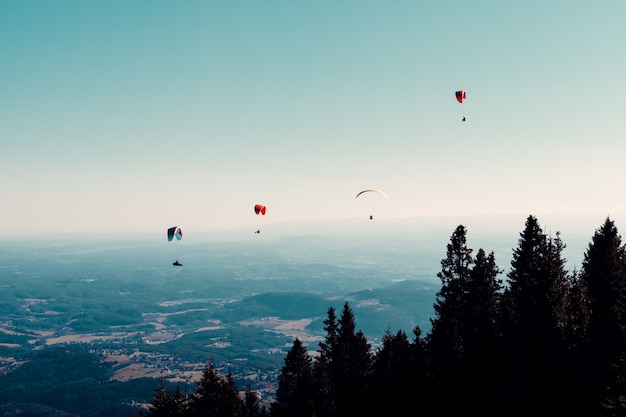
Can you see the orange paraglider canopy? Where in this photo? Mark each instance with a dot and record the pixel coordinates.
(259, 209)
(460, 95)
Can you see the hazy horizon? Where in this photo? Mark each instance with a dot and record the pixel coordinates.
(499, 234)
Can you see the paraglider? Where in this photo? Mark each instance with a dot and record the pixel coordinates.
(259, 209)
(460, 95)
(372, 190)
(174, 231)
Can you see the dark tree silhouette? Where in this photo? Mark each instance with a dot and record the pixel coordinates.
(535, 305)
(392, 378)
(482, 341)
(165, 403)
(464, 338)
(251, 406)
(324, 395)
(603, 279)
(349, 366)
(215, 395)
(445, 340)
(295, 394)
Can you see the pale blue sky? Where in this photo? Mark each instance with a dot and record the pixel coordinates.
(138, 115)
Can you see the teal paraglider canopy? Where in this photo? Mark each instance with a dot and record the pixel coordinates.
(174, 232)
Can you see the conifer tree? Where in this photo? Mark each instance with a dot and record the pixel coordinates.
(421, 378)
(232, 404)
(576, 310)
(603, 278)
(481, 335)
(294, 396)
(181, 400)
(331, 328)
(446, 341)
(535, 305)
(392, 380)
(481, 309)
(324, 389)
(251, 407)
(215, 395)
(464, 335)
(166, 403)
(207, 395)
(349, 366)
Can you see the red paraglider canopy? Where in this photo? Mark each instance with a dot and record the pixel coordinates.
(259, 209)
(460, 95)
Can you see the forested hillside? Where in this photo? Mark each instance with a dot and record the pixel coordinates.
(541, 340)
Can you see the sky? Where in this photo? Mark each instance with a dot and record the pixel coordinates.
(139, 115)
